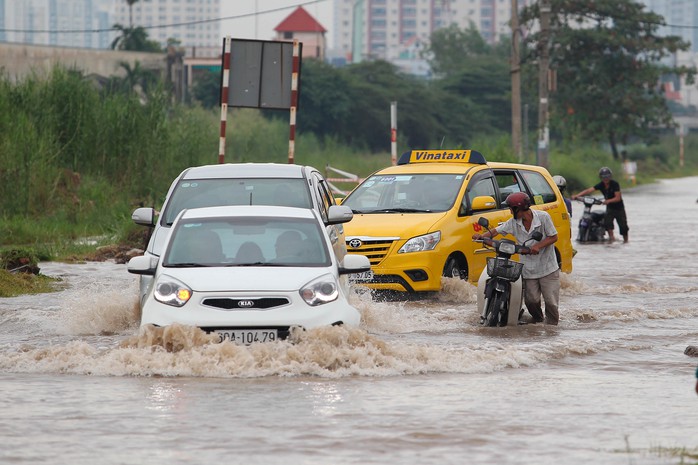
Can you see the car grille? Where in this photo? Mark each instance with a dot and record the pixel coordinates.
(375, 250)
(263, 303)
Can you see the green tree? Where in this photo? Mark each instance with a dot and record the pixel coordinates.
(134, 39)
(451, 49)
(371, 87)
(137, 80)
(207, 88)
(324, 103)
(609, 62)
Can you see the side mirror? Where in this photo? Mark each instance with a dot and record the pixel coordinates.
(537, 235)
(483, 202)
(354, 263)
(484, 222)
(337, 214)
(145, 216)
(142, 264)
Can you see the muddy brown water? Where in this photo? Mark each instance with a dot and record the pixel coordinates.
(417, 383)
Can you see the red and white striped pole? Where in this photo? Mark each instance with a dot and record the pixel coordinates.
(224, 98)
(294, 103)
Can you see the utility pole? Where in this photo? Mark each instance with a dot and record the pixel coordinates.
(543, 117)
(515, 83)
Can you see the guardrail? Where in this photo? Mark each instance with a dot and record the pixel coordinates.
(348, 177)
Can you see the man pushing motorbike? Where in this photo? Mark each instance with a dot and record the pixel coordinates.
(615, 209)
(541, 272)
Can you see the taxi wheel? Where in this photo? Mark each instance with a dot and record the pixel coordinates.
(454, 269)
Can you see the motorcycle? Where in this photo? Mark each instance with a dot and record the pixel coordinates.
(591, 224)
(500, 287)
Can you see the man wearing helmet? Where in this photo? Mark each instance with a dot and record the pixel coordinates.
(615, 209)
(541, 273)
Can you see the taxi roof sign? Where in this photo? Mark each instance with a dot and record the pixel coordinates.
(442, 156)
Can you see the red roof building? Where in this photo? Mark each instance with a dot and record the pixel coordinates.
(302, 26)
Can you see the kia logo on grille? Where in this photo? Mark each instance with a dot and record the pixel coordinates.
(355, 243)
(246, 303)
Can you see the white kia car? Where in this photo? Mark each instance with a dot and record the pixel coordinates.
(248, 273)
(245, 184)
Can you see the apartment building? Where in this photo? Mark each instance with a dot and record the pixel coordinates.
(67, 23)
(395, 29)
(192, 22)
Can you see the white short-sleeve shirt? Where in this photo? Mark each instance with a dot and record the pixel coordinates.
(535, 266)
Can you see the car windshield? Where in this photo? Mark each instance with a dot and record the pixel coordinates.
(196, 193)
(247, 241)
(413, 193)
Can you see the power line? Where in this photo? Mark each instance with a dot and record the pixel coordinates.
(160, 26)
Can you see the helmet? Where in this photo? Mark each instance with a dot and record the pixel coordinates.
(605, 173)
(518, 200)
(560, 182)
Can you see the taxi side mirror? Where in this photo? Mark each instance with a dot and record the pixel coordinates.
(483, 202)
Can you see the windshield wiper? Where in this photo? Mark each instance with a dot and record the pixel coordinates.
(250, 264)
(187, 265)
(399, 210)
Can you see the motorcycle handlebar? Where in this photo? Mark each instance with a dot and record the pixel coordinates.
(520, 249)
(584, 199)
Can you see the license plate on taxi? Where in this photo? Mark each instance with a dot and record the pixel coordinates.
(361, 277)
(248, 336)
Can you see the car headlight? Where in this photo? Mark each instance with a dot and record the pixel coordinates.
(171, 291)
(421, 243)
(320, 291)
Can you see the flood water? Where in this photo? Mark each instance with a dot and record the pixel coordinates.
(417, 383)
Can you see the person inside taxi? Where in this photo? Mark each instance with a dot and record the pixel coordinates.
(541, 273)
(615, 209)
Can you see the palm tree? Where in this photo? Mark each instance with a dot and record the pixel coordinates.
(134, 39)
(130, 12)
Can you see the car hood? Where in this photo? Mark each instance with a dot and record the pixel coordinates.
(392, 224)
(246, 278)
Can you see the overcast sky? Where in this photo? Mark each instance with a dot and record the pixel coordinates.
(269, 14)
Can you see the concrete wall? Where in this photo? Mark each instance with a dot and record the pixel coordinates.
(19, 60)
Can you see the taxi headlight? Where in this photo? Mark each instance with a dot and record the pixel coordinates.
(171, 291)
(421, 243)
(320, 290)
(507, 247)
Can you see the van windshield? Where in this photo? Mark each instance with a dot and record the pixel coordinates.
(197, 193)
(413, 193)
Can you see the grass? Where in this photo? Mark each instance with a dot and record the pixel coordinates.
(14, 284)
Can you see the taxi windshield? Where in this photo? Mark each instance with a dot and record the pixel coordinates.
(413, 193)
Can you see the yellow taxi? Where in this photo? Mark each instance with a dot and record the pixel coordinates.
(415, 221)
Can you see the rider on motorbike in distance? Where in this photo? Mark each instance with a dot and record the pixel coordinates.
(541, 273)
(615, 209)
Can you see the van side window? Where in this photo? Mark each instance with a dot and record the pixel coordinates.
(483, 186)
(508, 184)
(541, 191)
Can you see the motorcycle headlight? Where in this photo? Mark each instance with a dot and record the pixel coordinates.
(507, 247)
(171, 291)
(421, 243)
(320, 290)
